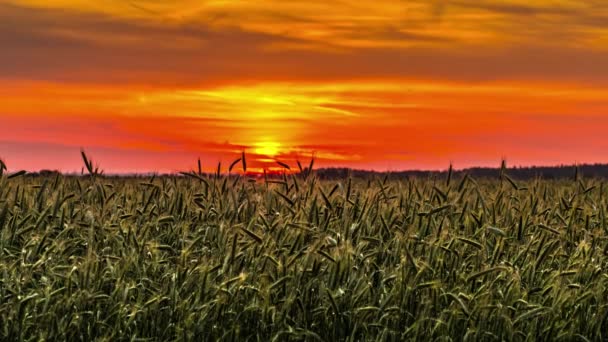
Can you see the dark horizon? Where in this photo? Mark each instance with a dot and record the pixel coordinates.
(595, 170)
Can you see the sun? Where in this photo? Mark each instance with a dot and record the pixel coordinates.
(267, 148)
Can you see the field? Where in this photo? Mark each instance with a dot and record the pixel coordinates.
(217, 257)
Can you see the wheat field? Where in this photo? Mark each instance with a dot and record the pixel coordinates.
(295, 258)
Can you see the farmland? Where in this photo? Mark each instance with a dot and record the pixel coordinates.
(218, 257)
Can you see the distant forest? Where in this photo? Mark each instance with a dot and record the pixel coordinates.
(520, 173)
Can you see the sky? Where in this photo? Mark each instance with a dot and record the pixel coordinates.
(152, 85)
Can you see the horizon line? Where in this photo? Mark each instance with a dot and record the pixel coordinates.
(281, 170)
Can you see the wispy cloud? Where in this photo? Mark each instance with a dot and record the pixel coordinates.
(185, 43)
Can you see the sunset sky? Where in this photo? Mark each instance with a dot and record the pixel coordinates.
(151, 85)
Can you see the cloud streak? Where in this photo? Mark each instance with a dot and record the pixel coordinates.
(216, 44)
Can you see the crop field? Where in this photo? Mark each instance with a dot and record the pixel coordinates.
(225, 257)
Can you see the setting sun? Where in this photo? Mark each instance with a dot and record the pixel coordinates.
(267, 148)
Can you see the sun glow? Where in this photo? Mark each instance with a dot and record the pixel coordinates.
(267, 148)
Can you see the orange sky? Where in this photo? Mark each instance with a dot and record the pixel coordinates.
(149, 85)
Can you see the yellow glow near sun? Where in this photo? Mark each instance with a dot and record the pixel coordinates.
(267, 148)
